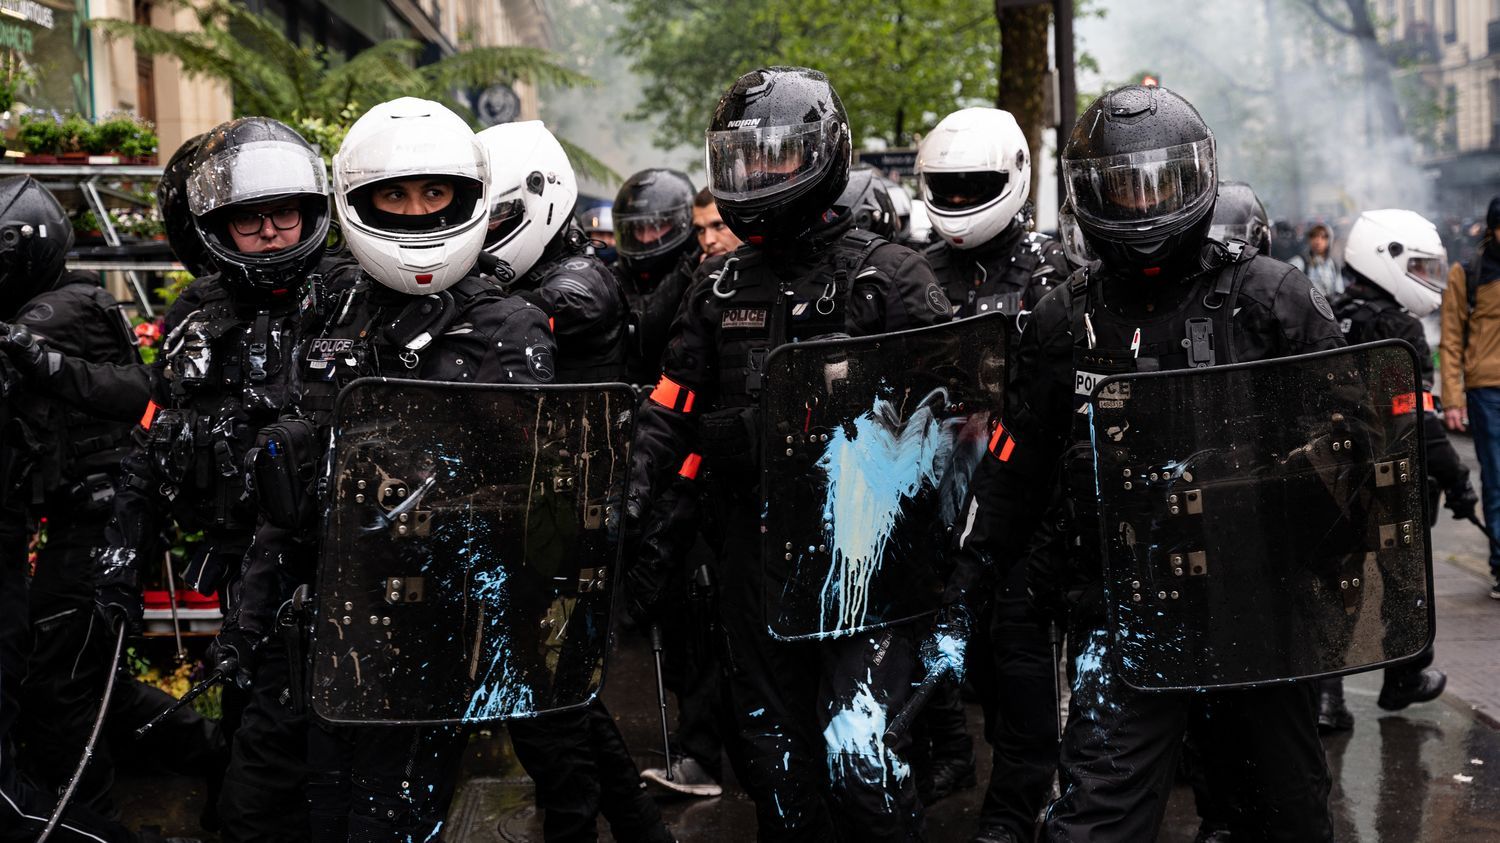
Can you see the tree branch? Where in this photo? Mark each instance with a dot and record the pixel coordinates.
(1316, 7)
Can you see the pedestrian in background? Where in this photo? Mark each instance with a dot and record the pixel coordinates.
(1317, 263)
(1470, 353)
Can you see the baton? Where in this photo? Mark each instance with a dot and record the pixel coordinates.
(1474, 519)
(166, 563)
(88, 748)
(902, 724)
(661, 696)
(193, 693)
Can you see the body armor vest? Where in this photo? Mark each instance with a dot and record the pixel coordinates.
(597, 356)
(1197, 332)
(993, 278)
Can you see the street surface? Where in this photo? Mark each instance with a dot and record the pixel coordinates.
(1429, 773)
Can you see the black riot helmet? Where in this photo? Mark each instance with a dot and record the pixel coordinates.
(250, 173)
(653, 221)
(1142, 176)
(867, 197)
(35, 237)
(778, 152)
(1239, 215)
(172, 202)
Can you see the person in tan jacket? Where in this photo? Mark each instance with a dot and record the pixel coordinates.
(1470, 353)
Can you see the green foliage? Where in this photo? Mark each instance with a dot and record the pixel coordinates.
(41, 133)
(48, 133)
(899, 65)
(307, 86)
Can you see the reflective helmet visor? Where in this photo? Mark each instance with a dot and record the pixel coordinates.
(1139, 189)
(645, 235)
(751, 164)
(505, 217)
(1431, 273)
(252, 171)
(958, 192)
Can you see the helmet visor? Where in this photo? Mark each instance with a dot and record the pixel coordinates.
(1138, 190)
(255, 171)
(962, 192)
(1431, 273)
(646, 235)
(1224, 232)
(505, 217)
(752, 164)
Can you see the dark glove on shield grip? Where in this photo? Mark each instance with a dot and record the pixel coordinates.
(1461, 501)
(23, 348)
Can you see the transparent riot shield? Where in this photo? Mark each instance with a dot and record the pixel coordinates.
(1264, 521)
(466, 564)
(868, 445)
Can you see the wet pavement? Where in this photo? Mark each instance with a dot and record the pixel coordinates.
(1428, 773)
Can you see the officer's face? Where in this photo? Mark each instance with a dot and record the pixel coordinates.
(267, 227)
(714, 237)
(413, 197)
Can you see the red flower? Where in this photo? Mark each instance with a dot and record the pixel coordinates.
(148, 333)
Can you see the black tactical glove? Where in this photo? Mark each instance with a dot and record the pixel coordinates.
(1461, 501)
(233, 654)
(26, 351)
(120, 602)
(944, 647)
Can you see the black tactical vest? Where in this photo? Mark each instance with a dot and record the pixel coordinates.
(988, 279)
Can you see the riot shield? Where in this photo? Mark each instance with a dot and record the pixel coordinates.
(1265, 521)
(868, 447)
(465, 569)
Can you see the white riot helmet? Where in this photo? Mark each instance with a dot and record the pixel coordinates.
(532, 192)
(397, 142)
(1400, 252)
(975, 170)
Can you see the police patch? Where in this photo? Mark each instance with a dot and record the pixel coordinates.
(329, 349)
(539, 361)
(39, 312)
(1321, 303)
(938, 300)
(743, 317)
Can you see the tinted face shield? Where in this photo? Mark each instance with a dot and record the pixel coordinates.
(649, 235)
(960, 193)
(754, 165)
(506, 216)
(1144, 196)
(1430, 272)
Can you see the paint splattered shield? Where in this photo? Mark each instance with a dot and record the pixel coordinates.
(868, 447)
(1264, 521)
(467, 557)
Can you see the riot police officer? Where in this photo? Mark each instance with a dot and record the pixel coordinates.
(1395, 271)
(1142, 177)
(1240, 215)
(653, 214)
(578, 758)
(257, 195)
(412, 185)
(974, 169)
(778, 152)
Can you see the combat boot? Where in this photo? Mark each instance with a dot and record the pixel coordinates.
(1397, 694)
(1333, 715)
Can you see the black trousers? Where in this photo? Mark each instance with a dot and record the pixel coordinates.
(380, 784)
(582, 768)
(1011, 667)
(263, 799)
(1120, 750)
(811, 716)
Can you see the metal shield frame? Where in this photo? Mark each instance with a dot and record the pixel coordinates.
(466, 565)
(906, 414)
(1266, 521)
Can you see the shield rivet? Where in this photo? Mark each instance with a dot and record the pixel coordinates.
(374, 619)
(405, 784)
(787, 557)
(1335, 446)
(1127, 472)
(1174, 510)
(1177, 571)
(348, 620)
(385, 621)
(1174, 595)
(348, 606)
(404, 518)
(395, 595)
(402, 530)
(788, 545)
(401, 492)
(822, 548)
(1348, 444)
(1171, 499)
(789, 440)
(1135, 583)
(359, 498)
(1161, 595)
(1154, 475)
(810, 549)
(1343, 584)
(1127, 485)
(1354, 582)
(1188, 476)
(360, 485)
(1135, 598)
(788, 451)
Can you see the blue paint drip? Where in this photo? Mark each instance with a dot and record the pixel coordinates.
(869, 476)
(855, 738)
(758, 712)
(948, 656)
(503, 690)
